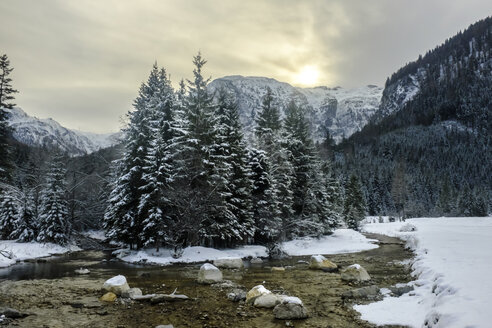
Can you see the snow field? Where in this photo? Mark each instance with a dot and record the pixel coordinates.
(452, 268)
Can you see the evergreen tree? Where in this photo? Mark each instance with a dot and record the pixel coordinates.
(9, 212)
(6, 96)
(54, 225)
(354, 207)
(158, 171)
(123, 218)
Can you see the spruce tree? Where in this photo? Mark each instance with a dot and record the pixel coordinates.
(6, 96)
(354, 207)
(54, 225)
(123, 218)
(158, 170)
(9, 213)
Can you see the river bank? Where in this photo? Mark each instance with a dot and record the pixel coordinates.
(72, 301)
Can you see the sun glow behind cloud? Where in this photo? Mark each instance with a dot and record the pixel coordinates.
(308, 75)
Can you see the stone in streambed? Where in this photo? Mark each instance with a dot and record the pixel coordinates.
(256, 292)
(131, 293)
(355, 273)
(290, 308)
(319, 262)
(229, 263)
(209, 274)
(108, 297)
(116, 285)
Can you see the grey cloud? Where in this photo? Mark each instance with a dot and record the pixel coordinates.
(81, 62)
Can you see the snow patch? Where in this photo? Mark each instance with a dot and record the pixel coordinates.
(32, 250)
(452, 267)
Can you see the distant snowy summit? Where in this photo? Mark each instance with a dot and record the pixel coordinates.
(341, 111)
(49, 133)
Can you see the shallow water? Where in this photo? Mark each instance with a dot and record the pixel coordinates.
(59, 298)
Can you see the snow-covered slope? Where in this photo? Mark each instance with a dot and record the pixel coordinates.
(49, 133)
(341, 111)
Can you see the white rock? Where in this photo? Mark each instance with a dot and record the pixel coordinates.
(82, 271)
(355, 272)
(256, 292)
(267, 301)
(256, 260)
(209, 274)
(132, 293)
(319, 262)
(291, 299)
(116, 285)
(229, 263)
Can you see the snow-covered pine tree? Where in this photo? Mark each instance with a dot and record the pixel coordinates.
(54, 225)
(233, 215)
(158, 170)
(265, 201)
(279, 169)
(123, 220)
(354, 207)
(25, 225)
(6, 96)
(9, 212)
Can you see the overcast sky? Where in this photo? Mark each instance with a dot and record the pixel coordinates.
(81, 61)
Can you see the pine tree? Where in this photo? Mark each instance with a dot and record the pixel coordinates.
(158, 172)
(354, 207)
(54, 225)
(6, 95)
(123, 219)
(9, 212)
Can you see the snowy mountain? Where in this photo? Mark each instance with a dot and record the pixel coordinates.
(49, 133)
(341, 111)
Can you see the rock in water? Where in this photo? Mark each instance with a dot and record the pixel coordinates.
(12, 313)
(116, 285)
(278, 269)
(229, 263)
(108, 297)
(256, 260)
(355, 273)
(82, 271)
(256, 292)
(319, 262)
(267, 301)
(369, 292)
(209, 274)
(131, 293)
(290, 308)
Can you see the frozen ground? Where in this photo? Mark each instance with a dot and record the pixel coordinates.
(342, 241)
(452, 266)
(24, 251)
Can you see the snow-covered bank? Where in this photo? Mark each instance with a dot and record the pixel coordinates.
(25, 251)
(341, 241)
(452, 266)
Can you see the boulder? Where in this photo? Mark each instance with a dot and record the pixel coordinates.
(256, 260)
(267, 301)
(116, 285)
(237, 295)
(278, 269)
(209, 274)
(82, 271)
(11, 313)
(355, 273)
(400, 289)
(256, 292)
(319, 262)
(131, 293)
(229, 263)
(369, 292)
(108, 297)
(290, 308)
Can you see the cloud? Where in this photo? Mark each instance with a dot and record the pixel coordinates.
(81, 62)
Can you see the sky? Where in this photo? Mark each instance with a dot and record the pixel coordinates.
(81, 62)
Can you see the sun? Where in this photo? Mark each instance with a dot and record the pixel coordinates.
(308, 75)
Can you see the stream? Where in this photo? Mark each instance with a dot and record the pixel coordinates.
(49, 290)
